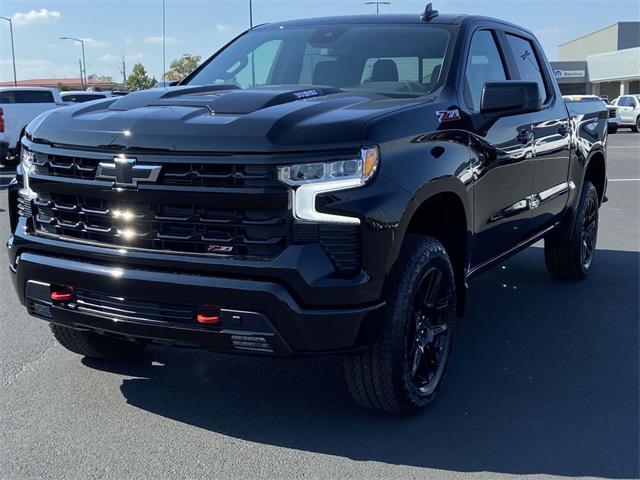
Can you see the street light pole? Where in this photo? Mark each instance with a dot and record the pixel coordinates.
(13, 52)
(164, 44)
(83, 78)
(250, 14)
(377, 4)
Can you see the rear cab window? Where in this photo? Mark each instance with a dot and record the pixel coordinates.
(527, 63)
(26, 96)
(79, 98)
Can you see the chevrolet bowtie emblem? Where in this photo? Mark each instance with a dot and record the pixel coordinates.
(125, 173)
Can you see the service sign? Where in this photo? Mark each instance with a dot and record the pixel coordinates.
(569, 73)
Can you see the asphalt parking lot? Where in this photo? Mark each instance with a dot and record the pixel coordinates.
(544, 381)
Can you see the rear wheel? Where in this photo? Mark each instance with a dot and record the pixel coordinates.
(94, 345)
(403, 370)
(569, 251)
(636, 126)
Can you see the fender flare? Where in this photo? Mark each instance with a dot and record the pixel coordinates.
(428, 190)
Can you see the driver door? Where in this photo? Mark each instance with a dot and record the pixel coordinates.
(502, 152)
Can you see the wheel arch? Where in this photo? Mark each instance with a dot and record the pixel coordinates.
(596, 172)
(441, 209)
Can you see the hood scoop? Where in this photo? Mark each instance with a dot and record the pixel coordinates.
(221, 99)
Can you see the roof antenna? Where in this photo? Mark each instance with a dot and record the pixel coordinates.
(429, 13)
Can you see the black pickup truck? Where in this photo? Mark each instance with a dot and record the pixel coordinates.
(323, 186)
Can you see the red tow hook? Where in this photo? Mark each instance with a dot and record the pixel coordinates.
(208, 315)
(62, 293)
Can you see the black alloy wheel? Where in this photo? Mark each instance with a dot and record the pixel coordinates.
(589, 232)
(429, 336)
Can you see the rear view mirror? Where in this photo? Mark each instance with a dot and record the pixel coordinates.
(511, 97)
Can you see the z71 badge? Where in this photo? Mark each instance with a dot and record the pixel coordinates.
(448, 115)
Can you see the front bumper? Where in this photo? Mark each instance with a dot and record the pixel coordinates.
(256, 316)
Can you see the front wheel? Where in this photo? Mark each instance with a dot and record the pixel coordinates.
(613, 130)
(569, 251)
(636, 126)
(402, 371)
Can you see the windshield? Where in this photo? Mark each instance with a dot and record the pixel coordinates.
(390, 59)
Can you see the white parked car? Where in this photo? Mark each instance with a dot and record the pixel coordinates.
(629, 111)
(18, 106)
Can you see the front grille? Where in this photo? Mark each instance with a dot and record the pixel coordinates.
(163, 226)
(613, 113)
(224, 205)
(24, 206)
(173, 174)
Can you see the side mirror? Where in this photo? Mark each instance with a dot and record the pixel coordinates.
(511, 97)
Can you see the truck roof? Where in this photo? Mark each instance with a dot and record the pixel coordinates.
(30, 89)
(441, 18)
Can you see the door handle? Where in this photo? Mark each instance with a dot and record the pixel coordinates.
(525, 136)
(563, 130)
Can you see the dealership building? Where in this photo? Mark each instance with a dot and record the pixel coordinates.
(605, 62)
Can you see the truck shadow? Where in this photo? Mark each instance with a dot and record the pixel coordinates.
(544, 380)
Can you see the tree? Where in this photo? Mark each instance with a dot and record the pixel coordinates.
(62, 87)
(183, 66)
(139, 79)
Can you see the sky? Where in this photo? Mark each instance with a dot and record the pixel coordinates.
(113, 29)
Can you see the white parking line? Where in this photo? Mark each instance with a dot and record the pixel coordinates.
(624, 179)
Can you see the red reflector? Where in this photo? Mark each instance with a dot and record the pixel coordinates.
(208, 315)
(61, 293)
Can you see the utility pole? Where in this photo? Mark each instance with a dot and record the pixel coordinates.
(377, 4)
(164, 44)
(250, 14)
(124, 74)
(13, 52)
(83, 86)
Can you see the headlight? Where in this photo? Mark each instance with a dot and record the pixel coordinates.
(311, 179)
(26, 165)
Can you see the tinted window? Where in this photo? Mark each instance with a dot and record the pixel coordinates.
(627, 102)
(26, 96)
(392, 59)
(483, 65)
(79, 98)
(527, 62)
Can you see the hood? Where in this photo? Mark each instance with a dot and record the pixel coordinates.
(219, 119)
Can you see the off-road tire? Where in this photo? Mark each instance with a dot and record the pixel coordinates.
(379, 377)
(563, 249)
(94, 345)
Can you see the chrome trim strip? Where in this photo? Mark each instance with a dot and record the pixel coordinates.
(553, 191)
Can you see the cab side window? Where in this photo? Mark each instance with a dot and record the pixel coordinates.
(484, 64)
(527, 62)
